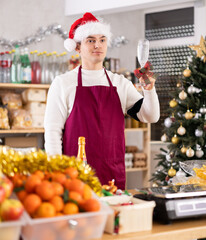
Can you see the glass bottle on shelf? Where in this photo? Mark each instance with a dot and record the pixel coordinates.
(64, 66)
(81, 150)
(16, 66)
(35, 69)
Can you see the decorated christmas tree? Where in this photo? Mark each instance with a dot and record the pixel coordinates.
(185, 126)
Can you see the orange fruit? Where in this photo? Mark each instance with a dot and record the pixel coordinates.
(72, 172)
(45, 190)
(21, 195)
(75, 196)
(90, 205)
(46, 209)
(31, 203)
(70, 208)
(18, 180)
(67, 183)
(31, 183)
(58, 203)
(48, 175)
(58, 188)
(40, 174)
(87, 192)
(76, 185)
(59, 177)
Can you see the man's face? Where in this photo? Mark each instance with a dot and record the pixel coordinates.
(93, 49)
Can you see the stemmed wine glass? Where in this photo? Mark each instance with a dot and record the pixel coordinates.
(143, 55)
(143, 51)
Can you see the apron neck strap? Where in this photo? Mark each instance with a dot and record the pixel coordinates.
(80, 77)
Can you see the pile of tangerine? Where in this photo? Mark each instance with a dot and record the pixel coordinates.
(54, 194)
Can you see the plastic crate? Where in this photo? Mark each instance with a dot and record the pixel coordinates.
(82, 226)
(10, 230)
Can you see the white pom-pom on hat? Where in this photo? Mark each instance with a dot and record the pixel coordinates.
(70, 44)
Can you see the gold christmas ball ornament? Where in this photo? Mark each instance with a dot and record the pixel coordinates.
(175, 139)
(178, 84)
(181, 130)
(188, 115)
(183, 150)
(172, 172)
(187, 72)
(190, 152)
(182, 95)
(173, 103)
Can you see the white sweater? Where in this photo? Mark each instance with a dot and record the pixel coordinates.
(61, 97)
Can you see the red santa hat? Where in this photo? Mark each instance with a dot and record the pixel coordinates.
(84, 27)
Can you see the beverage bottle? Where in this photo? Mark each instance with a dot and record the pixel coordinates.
(43, 64)
(26, 67)
(3, 67)
(1, 79)
(64, 66)
(35, 69)
(52, 66)
(7, 67)
(16, 66)
(81, 150)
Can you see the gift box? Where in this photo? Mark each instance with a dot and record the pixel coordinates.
(128, 218)
(86, 225)
(11, 230)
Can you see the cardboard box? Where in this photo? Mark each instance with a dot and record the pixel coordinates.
(35, 95)
(38, 121)
(132, 218)
(86, 225)
(35, 108)
(21, 142)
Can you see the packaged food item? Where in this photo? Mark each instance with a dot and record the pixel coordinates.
(36, 108)
(36, 95)
(12, 100)
(20, 119)
(4, 119)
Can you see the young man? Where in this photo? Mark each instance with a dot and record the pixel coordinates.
(90, 101)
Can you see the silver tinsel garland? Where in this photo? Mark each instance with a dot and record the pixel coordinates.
(46, 31)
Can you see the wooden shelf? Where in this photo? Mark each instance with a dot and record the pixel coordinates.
(22, 85)
(13, 131)
(136, 169)
(135, 129)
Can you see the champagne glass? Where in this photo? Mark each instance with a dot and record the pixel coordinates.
(143, 51)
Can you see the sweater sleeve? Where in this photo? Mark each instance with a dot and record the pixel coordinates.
(145, 108)
(150, 108)
(55, 117)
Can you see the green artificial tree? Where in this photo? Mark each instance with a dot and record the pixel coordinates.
(185, 128)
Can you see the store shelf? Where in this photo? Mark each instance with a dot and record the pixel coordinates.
(22, 86)
(136, 169)
(14, 131)
(135, 129)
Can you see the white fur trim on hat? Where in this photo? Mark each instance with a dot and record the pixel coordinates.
(69, 44)
(92, 28)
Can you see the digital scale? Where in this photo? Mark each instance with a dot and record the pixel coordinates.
(176, 202)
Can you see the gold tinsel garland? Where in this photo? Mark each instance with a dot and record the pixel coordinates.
(12, 161)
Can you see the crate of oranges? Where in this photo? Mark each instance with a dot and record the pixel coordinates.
(59, 206)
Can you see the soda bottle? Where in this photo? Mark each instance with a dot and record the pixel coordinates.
(16, 66)
(1, 78)
(3, 67)
(25, 67)
(81, 150)
(35, 69)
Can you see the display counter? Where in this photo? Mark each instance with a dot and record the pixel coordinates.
(177, 230)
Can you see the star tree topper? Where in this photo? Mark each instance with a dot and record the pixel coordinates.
(200, 49)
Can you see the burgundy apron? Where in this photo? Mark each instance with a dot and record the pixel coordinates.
(97, 115)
